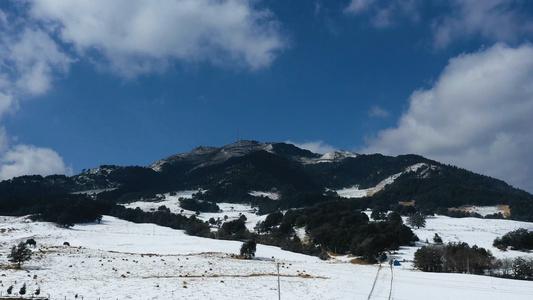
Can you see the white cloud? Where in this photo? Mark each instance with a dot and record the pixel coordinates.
(7, 104)
(357, 6)
(29, 62)
(496, 20)
(477, 115)
(37, 60)
(24, 160)
(493, 20)
(378, 112)
(315, 147)
(139, 36)
(385, 14)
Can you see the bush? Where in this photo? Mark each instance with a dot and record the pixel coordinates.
(248, 249)
(453, 257)
(520, 239)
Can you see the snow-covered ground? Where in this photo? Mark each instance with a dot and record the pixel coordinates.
(486, 210)
(122, 260)
(230, 210)
(355, 192)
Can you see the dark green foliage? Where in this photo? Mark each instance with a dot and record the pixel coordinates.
(22, 290)
(521, 208)
(191, 225)
(417, 220)
(363, 170)
(522, 268)
(448, 186)
(453, 257)
(19, 254)
(234, 230)
(339, 226)
(10, 290)
(429, 259)
(520, 239)
(31, 242)
(68, 212)
(272, 220)
(395, 217)
(199, 205)
(437, 239)
(248, 249)
(379, 213)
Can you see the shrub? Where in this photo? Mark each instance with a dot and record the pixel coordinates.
(248, 249)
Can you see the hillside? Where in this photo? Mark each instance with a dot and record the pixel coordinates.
(145, 261)
(230, 173)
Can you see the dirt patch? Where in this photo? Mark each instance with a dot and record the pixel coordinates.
(300, 275)
(358, 261)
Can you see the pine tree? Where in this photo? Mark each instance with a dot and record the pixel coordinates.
(437, 239)
(19, 254)
(10, 290)
(417, 220)
(248, 249)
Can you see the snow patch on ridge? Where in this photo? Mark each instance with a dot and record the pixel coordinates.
(271, 195)
(355, 192)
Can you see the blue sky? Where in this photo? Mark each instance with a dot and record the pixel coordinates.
(128, 82)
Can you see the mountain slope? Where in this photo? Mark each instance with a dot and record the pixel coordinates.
(231, 172)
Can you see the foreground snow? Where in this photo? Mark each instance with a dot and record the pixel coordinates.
(122, 260)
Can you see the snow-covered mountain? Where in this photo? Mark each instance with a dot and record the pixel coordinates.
(236, 171)
(205, 156)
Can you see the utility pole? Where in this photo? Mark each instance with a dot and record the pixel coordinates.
(279, 291)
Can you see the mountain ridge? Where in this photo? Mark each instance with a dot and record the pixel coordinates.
(231, 172)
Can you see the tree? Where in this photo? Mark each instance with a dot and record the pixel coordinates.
(417, 220)
(248, 249)
(379, 213)
(429, 259)
(395, 218)
(10, 290)
(437, 239)
(22, 290)
(19, 254)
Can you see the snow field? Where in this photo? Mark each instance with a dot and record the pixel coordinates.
(121, 260)
(231, 210)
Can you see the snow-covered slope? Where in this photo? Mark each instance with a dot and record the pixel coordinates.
(204, 156)
(355, 192)
(122, 260)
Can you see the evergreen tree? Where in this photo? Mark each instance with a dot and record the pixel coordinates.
(437, 239)
(248, 249)
(10, 290)
(22, 290)
(19, 254)
(417, 220)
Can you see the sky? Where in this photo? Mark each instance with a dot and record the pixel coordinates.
(129, 82)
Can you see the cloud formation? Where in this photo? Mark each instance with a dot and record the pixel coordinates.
(477, 115)
(126, 37)
(24, 159)
(378, 112)
(315, 147)
(141, 36)
(385, 14)
(29, 62)
(493, 20)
